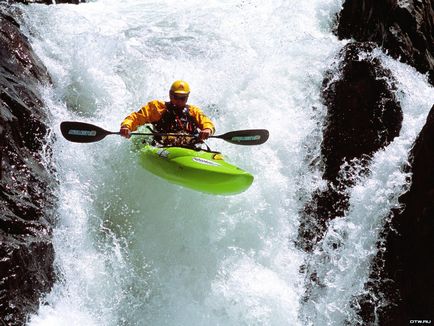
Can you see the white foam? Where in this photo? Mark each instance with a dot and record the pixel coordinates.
(132, 249)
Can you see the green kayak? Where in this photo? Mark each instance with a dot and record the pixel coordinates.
(200, 170)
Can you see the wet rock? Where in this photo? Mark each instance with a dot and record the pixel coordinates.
(26, 182)
(405, 29)
(363, 116)
(401, 283)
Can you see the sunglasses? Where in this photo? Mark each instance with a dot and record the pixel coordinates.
(180, 97)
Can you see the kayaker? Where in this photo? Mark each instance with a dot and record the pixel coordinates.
(175, 116)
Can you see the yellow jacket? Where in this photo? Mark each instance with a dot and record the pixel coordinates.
(153, 111)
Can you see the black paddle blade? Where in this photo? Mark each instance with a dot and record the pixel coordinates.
(246, 137)
(81, 132)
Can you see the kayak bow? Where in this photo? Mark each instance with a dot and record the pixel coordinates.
(200, 170)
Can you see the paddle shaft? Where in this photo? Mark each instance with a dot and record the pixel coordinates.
(81, 132)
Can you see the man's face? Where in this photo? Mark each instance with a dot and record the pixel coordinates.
(178, 100)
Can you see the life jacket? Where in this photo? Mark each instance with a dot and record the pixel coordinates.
(175, 121)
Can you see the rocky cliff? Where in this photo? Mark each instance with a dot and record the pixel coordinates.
(401, 284)
(356, 127)
(26, 176)
(403, 28)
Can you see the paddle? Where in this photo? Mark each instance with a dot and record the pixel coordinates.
(81, 132)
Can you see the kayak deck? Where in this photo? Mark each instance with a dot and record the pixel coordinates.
(200, 170)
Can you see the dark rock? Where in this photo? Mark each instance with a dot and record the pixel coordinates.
(403, 28)
(402, 273)
(362, 112)
(363, 116)
(26, 196)
(401, 285)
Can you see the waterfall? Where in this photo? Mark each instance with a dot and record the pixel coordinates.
(132, 249)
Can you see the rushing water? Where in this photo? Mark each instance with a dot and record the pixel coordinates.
(132, 249)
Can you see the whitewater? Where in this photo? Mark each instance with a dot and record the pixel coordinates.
(132, 249)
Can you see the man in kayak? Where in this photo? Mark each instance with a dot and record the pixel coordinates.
(172, 117)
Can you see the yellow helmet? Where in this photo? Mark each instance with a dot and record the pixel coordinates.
(180, 87)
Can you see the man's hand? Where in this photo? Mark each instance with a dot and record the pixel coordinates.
(204, 134)
(125, 132)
